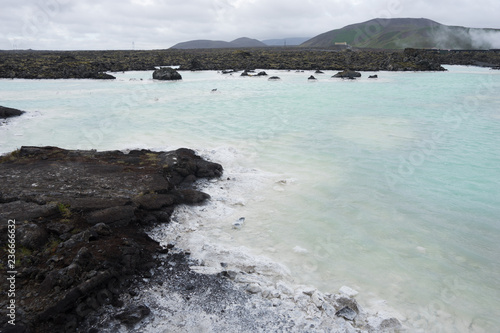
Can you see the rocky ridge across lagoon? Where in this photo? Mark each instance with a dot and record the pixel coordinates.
(85, 261)
(96, 64)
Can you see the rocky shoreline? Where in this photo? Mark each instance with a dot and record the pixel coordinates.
(79, 219)
(96, 64)
(85, 262)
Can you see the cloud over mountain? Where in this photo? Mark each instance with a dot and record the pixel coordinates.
(112, 24)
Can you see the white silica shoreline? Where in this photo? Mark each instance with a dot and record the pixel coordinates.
(205, 232)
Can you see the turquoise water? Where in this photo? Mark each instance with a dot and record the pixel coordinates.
(392, 185)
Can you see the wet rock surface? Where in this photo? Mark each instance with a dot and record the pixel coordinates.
(166, 74)
(6, 112)
(347, 74)
(80, 219)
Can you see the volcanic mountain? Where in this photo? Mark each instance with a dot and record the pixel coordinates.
(399, 33)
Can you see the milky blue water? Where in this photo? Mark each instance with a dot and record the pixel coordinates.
(391, 185)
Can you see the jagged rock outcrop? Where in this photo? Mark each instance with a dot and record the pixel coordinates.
(79, 218)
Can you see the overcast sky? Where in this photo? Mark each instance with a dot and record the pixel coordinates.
(159, 24)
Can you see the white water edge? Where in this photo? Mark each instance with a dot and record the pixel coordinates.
(214, 234)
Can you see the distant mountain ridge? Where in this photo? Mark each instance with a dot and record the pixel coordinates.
(285, 41)
(380, 33)
(214, 44)
(399, 33)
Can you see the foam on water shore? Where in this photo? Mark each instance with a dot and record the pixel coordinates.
(209, 234)
(270, 261)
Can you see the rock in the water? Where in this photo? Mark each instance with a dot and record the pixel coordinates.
(166, 73)
(347, 313)
(274, 78)
(9, 112)
(190, 196)
(347, 74)
(373, 77)
(311, 77)
(384, 322)
(239, 223)
(246, 73)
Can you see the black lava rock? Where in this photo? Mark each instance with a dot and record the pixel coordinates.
(166, 74)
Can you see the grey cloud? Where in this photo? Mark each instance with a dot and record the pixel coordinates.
(94, 24)
(474, 14)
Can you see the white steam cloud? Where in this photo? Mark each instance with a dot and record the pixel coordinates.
(485, 38)
(449, 37)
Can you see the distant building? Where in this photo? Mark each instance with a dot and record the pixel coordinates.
(341, 45)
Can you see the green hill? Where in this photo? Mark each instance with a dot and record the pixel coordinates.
(399, 33)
